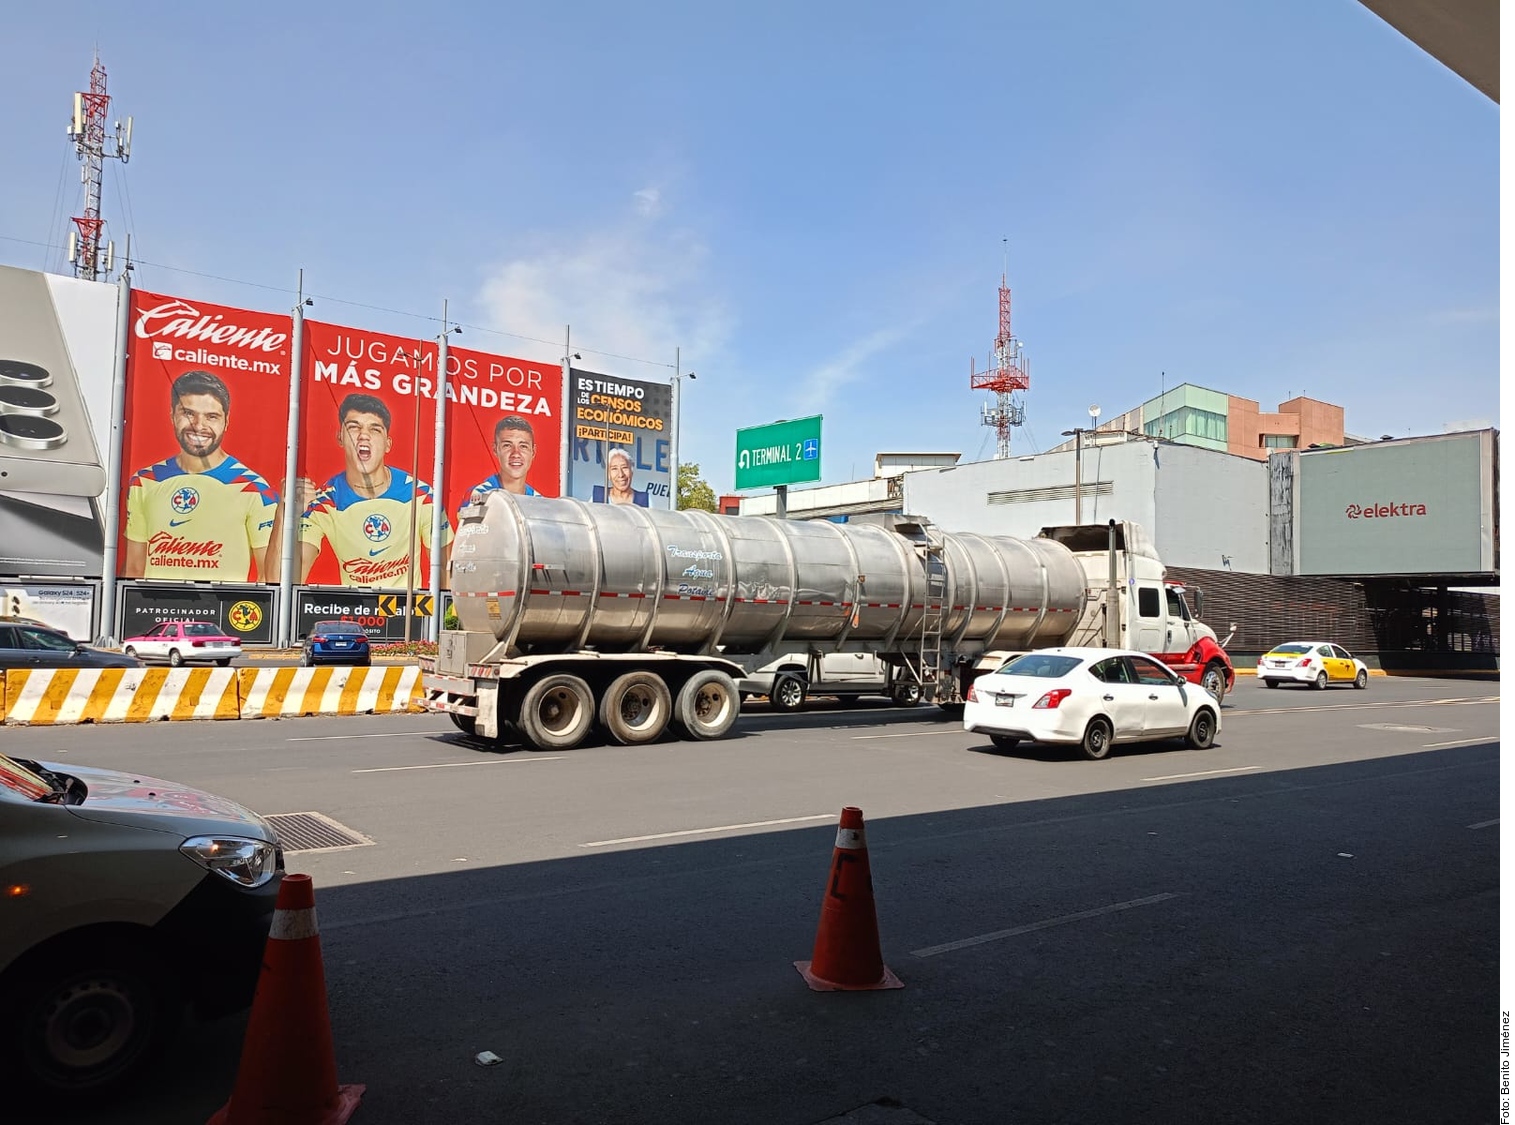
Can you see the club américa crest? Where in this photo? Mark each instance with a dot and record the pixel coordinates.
(184, 500)
(377, 528)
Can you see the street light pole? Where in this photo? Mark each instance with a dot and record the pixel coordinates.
(415, 470)
(1077, 434)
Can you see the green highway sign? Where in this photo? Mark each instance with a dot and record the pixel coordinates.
(779, 453)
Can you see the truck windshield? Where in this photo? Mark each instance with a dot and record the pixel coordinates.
(18, 779)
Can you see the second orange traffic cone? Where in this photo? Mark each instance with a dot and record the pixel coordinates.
(847, 956)
(288, 1071)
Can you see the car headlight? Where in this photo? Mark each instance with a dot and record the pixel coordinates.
(249, 863)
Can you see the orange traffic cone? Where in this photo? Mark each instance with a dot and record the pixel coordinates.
(288, 1071)
(847, 955)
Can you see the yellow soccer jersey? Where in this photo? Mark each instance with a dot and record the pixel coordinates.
(371, 537)
(200, 525)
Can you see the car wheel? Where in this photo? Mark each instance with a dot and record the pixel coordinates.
(1201, 734)
(557, 712)
(130, 651)
(1320, 681)
(224, 663)
(306, 661)
(1214, 680)
(1271, 683)
(788, 693)
(707, 705)
(907, 695)
(1005, 741)
(175, 659)
(1362, 679)
(636, 708)
(89, 1017)
(1096, 740)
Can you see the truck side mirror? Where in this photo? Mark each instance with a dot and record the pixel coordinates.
(1199, 603)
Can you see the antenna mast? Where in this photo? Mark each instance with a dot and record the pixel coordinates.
(1007, 374)
(87, 130)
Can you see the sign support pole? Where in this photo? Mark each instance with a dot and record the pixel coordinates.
(292, 514)
(107, 630)
(438, 464)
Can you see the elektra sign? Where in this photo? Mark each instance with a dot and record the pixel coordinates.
(1383, 511)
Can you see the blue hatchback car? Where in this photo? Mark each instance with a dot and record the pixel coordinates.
(335, 642)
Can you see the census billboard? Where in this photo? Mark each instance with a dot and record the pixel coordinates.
(1418, 506)
(620, 434)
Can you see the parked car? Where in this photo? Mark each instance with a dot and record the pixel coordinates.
(126, 900)
(25, 643)
(1316, 663)
(184, 642)
(335, 642)
(791, 679)
(1092, 698)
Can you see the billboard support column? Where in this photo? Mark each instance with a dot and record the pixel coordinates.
(673, 444)
(438, 508)
(565, 442)
(113, 462)
(292, 514)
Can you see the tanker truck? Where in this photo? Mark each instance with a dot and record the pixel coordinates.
(574, 614)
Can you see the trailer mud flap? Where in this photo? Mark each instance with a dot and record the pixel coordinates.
(487, 722)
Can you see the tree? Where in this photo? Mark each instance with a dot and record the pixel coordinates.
(694, 492)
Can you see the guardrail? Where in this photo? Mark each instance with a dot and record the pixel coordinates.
(56, 697)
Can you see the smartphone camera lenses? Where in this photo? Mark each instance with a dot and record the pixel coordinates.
(26, 431)
(27, 400)
(15, 373)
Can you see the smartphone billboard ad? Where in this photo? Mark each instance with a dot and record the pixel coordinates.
(207, 399)
(620, 437)
(57, 355)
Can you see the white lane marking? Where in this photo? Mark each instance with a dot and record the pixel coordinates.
(1016, 931)
(1461, 742)
(909, 734)
(1484, 824)
(450, 765)
(708, 831)
(340, 737)
(1201, 773)
(1359, 706)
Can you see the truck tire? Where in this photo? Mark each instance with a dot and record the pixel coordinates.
(636, 708)
(787, 694)
(1214, 680)
(907, 695)
(1096, 740)
(708, 704)
(556, 712)
(464, 723)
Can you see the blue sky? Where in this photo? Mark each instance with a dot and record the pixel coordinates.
(1269, 198)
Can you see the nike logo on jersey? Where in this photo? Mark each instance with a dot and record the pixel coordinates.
(377, 551)
(177, 523)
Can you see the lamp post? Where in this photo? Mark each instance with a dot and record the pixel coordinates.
(1077, 434)
(673, 454)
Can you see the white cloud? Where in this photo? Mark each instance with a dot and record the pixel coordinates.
(638, 288)
(851, 364)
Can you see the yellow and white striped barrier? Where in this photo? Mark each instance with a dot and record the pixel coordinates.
(271, 693)
(44, 697)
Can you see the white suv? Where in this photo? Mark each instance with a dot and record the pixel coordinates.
(790, 679)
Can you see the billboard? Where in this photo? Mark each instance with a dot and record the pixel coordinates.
(367, 442)
(70, 608)
(207, 396)
(382, 616)
(57, 355)
(247, 613)
(1418, 506)
(620, 435)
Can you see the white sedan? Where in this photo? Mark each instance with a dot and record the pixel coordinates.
(1311, 662)
(1092, 698)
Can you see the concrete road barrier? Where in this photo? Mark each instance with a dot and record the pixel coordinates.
(43, 697)
(270, 693)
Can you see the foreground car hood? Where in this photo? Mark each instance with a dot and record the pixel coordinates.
(138, 801)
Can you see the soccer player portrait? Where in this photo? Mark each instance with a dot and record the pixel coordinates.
(363, 512)
(515, 448)
(200, 514)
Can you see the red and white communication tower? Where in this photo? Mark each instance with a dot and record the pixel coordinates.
(87, 130)
(1008, 374)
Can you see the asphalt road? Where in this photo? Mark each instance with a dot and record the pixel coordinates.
(1299, 924)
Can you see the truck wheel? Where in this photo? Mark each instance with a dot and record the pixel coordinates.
(1214, 680)
(788, 693)
(1201, 734)
(907, 695)
(636, 708)
(465, 723)
(1096, 741)
(708, 705)
(88, 1018)
(557, 712)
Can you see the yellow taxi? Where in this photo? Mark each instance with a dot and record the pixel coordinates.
(1315, 663)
